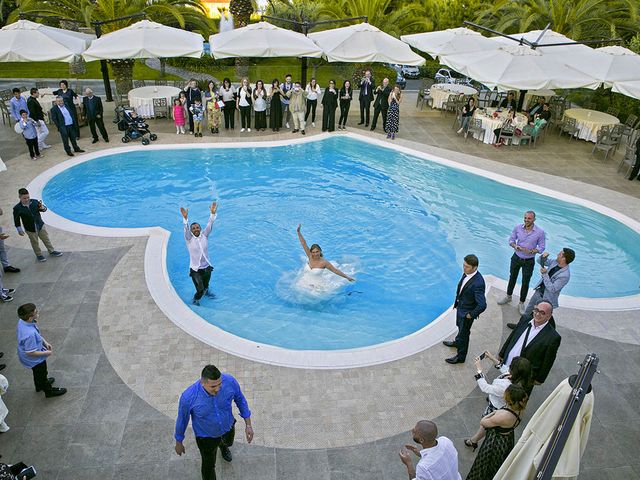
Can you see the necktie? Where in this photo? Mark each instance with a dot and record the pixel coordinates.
(541, 288)
(526, 337)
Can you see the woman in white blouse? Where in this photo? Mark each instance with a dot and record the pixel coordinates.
(260, 106)
(313, 91)
(228, 95)
(519, 373)
(243, 103)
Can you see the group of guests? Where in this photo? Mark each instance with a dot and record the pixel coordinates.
(288, 103)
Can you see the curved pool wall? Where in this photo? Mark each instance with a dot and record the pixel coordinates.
(396, 167)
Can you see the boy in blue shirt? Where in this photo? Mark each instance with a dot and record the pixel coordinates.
(30, 134)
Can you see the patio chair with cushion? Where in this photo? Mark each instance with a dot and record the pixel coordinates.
(424, 97)
(160, 109)
(475, 126)
(604, 143)
(138, 83)
(589, 105)
(484, 99)
(629, 125)
(451, 105)
(160, 82)
(4, 110)
(457, 122)
(613, 111)
(629, 159)
(569, 126)
(5, 95)
(530, 134)
(42, 85)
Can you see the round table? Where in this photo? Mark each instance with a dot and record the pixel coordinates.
(142, 98)
(440, 92)
(590, 121)
(547, 94)
(490, 123)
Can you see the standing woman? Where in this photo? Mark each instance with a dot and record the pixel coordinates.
(329, 104)
(275, 113)
(260, 106)
(212, 107)
(243, 104)
(228, 95)
(67, 96)
(193, 94)
(393, 115)
(313, 91)
(346, 95)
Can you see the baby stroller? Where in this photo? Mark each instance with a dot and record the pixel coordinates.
(134, 127)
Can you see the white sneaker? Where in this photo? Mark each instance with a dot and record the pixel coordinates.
(313, 124)
(242, 130)
(4, 428)
(521, 308)
(505, 300)
(460, 131)
(248, 129)
(45, 146)
(287, 125)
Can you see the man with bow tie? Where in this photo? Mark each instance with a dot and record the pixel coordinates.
(470, 302)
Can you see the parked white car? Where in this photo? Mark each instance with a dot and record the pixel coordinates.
(410, 71)
(444, 75)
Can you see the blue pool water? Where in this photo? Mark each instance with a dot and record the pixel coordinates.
(404, 223)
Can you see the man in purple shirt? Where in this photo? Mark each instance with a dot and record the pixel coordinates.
(16, 104)
(526, 239)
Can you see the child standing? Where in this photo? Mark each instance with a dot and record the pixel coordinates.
(30, 134)
(197, 111)
(178, 116)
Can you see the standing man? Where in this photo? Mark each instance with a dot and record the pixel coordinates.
(438, 457)
(16, 104)
(33, 351)
(526, 239)
(367, 87)
(4, 259)
(284, 99)
(470, 302)
(208, 403)
(200, 267)
(36, 113)
(537, 341)
(381, 104)
(93, 111)
(27, 218)
(297, 106)
(63, 120)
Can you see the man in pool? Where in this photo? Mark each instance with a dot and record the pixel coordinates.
(470, 302)
(200, 267)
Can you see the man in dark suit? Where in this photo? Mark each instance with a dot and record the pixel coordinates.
(63, 120)
(381, 104)
(470, 302)
(537, 341)
(367, 87)
(509, 102)
(93, 111)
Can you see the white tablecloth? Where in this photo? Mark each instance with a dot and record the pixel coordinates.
(489, 123)
(440, 92)
(142, 98)
(590, 121)
(547, 94)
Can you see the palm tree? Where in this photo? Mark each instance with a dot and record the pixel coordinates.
(241, 11)
(577, 19)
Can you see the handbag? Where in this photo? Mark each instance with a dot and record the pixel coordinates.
(220, 104)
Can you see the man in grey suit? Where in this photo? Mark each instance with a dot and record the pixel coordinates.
(555, 275)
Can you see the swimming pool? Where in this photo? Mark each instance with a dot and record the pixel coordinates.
(405, 223)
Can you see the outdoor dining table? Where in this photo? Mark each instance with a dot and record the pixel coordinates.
(590, 121)
(531, 94)
(491, 122)
(440, 92)
(142, 98)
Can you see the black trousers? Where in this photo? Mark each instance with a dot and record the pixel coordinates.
(100, 123)
(229, 112)
(190, 114)
(200, 280)
(311, 107)
(261, 120)
(365, 104)
(68, 133)
(209, 450)
(328, 119)
(636, 168)
(245, 116)
(344, 111)
(34, 150)
(40, 377)
(517, 263)
(464, 332)
(376, 113)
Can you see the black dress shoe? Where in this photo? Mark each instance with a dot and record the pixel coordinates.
(360, 123)
(11, 269)
(1, 354)
(70, 154)
(106, 140)
(55, 392)
(226, 453)
(79, 150)
(447, 343)
(50, 381)
(95, 140)
(454, 360)
(512, 326)
(2, 366)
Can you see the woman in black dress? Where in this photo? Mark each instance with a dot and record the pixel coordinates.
(346, 95)
(68, 95)
(393, 114)
(329, 105)
(500, 438)
(275, 112)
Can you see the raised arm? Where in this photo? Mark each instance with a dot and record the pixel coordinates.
(213, 209)
(185, 219)
(337, 271)
(303, 242)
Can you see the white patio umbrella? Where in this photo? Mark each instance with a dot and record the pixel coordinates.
(617, 64)
(25, 41)
(364, 43)
(448, 42)
(146, 39)
(630, 88)
(262, 40)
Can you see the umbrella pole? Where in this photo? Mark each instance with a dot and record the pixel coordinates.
(521, 99)
(305, 67)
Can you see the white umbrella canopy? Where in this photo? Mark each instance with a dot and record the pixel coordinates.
(364, 43)
(26, 41)
(618, 64)
(448, 42)
(262, 40)
(630, 88)
(518, 67)
(146, 39)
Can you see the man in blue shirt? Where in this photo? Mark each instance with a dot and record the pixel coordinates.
(208, 403)
(62, 117)
(28, 221)
(16, 104)
(33, 350)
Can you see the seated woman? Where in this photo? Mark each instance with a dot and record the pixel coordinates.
(519, 374)
(500, 426)
(467, 113)
(506, 129)
(316, 261)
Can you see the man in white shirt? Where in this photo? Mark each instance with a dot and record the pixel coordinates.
(200, 267)
(438, 457)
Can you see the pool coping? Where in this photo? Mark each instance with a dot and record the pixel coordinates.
(179, 313)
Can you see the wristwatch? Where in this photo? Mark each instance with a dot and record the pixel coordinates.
(479, 375)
